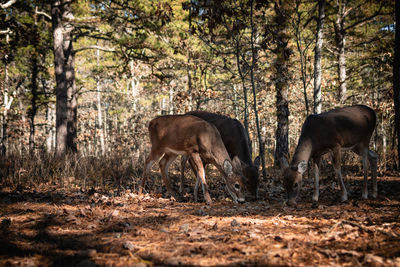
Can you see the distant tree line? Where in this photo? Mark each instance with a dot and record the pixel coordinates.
(86, 76)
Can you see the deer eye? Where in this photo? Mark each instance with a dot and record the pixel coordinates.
(237, 186)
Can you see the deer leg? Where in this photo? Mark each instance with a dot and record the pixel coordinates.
(201, 176)
(196, 186)
(364, 155)
(147, 167)
(373, 162)
(196, 189)
(336, 165)
(183, 164)
(317, 162)
(164, 166)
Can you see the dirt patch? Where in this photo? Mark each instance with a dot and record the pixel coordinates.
(55, 226)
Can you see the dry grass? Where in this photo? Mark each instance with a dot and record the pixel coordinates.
(109, 172)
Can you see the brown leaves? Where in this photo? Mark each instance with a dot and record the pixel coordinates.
(146, 229)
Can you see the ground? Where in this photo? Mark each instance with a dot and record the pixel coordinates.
(53, 225)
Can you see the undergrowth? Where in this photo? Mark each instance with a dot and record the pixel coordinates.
(109, 171)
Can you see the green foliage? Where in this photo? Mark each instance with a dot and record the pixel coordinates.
(175, 56)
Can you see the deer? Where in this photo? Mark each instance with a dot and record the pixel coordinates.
(173, 135)
(347, 128)
(236, 143)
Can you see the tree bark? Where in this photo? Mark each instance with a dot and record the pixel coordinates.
(244, 88)
(72, 103)
(99, 114)
(133, 84)
(302, 53)
(340, 38)
(253, 66)
(66, 103)
(50, 131)
(317, 57)
(396, 80)
(7, 101)
(189, 59)
(281, 79)
(34, 98)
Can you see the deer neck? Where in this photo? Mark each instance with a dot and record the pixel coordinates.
(218, 158)
(303, 151)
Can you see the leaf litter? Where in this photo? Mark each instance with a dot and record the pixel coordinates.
(55, 226)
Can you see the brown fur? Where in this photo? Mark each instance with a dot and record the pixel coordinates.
(349, 127)
(235, 139)
(174, 135)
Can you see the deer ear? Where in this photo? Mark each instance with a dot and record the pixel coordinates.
(283, 163)
(302, 167)
(257, 162)
(237, 164)
(227, 167)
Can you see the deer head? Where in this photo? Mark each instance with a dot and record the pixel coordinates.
(292, 177)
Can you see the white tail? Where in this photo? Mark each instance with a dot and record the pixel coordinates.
(174, 135)
(235, 139)
(339, 129)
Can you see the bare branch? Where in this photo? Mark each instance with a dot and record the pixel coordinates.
(44, 14)
(366, 19)
(8, 4)
(105, 49)
(5, 32)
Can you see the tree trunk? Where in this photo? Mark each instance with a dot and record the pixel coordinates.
(34, 85)
(340, 38)
(317, 57)
(99, 114)
(189, 59)
(66, 103)
(34, 98)
(235, 102)
(396, 80)
(244, 88)
(4, 141)
(72, 103)
(281, 79)
(302, 54)
(22, 127)
(61, 83)
(133, 84)
(253, 66)
(7, 101)
(50, 133)
(171, 107)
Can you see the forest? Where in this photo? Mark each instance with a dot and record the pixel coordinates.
(80, 81)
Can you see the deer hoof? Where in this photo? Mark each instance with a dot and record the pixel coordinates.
(364, 196)
(344, 198)
(374, 194)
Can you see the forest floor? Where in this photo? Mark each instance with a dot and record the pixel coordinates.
(66, 226)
